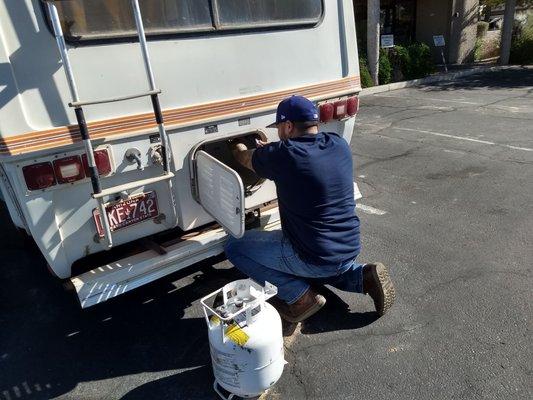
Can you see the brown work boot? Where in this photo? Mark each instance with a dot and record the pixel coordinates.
(303, 308)
(378, 285)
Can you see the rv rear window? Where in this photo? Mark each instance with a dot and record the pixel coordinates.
(254, 13)
(100, 19)
(108, 19)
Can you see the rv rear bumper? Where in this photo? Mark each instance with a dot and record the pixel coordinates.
(121, 276)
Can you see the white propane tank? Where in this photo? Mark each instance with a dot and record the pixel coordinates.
(245, 339)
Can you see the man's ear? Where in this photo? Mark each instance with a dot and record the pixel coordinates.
(289, 129)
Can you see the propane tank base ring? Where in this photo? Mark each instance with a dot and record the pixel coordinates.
(216, 388)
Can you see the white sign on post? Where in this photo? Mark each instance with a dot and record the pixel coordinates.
(438, 40)
(387, 41)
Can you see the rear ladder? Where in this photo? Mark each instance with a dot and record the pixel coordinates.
(98, 192)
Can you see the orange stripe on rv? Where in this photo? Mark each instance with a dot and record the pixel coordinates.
(179, 117)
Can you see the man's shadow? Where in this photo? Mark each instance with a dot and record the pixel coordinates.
(335, 316)
(193, 384)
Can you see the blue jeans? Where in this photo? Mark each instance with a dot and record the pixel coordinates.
(269, 256)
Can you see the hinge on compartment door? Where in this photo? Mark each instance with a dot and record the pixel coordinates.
(252, 219)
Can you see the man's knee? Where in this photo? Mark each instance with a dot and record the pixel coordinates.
(232, 246)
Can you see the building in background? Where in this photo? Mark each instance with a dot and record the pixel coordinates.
(419, 20)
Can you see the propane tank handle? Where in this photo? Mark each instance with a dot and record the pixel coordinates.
(265, 293)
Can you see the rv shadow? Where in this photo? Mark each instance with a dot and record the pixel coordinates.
(49, 347)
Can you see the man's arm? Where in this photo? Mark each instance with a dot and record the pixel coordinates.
(243, 155)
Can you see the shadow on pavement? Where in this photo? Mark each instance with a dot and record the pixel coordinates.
(193, 384)
(48, 345)
(503, 79)
(336, 316)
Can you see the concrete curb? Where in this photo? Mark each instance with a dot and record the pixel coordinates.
(438, 78)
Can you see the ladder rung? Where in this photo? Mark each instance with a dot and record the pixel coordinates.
(113, 99)
(132, 185)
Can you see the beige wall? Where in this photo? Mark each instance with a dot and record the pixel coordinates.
(433, 18)
(456, 20)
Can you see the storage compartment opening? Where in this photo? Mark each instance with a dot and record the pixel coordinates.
(221, 150)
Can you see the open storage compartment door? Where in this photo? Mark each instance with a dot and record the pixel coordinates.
(220, 192)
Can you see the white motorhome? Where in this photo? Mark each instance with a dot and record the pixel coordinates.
(167, 185)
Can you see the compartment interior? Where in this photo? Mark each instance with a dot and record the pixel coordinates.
(221, 150)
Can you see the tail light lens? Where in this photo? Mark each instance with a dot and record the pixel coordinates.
(39, 176)
(68, 169)
(339, 109)
(103, 163)
(326, 112)
(352, 106)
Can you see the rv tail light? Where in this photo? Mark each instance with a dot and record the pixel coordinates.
(352, 106)
(39, 176)
(103, 163)
(326, 112)
(68, 169)
(339, 109)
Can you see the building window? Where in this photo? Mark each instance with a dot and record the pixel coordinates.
(107, 19)
(398, 18)
(253, 13)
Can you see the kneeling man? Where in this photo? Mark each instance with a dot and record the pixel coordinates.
(319, 240)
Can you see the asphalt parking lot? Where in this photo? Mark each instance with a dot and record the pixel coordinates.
(446, 173)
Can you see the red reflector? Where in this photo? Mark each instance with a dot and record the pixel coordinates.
(326, 112)
(39, 176)
(68, 169)
(103, 163)
(352, 107)
(339, 109)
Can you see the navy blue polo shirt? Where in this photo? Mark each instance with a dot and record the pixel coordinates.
(314, 181)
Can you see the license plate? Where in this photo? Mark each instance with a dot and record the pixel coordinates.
(128, 212)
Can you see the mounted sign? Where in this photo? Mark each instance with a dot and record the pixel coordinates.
(387, 41)
(439, 41)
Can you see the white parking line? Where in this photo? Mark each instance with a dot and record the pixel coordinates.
(429, 99)
(369, 209)
(521, 109)
(464, 138)
(356, 192)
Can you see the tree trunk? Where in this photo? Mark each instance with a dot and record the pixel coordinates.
(507, 31)
(372, 38)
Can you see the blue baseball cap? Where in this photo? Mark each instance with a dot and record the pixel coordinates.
(295, 109)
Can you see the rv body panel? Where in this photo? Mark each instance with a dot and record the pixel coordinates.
(214, 87)
(192, 70)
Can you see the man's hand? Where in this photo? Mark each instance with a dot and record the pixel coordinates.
(260, 143)
(242, 154)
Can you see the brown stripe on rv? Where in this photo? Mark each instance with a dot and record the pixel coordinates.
(174, 118)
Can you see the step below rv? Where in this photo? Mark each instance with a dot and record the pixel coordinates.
(115, 278)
